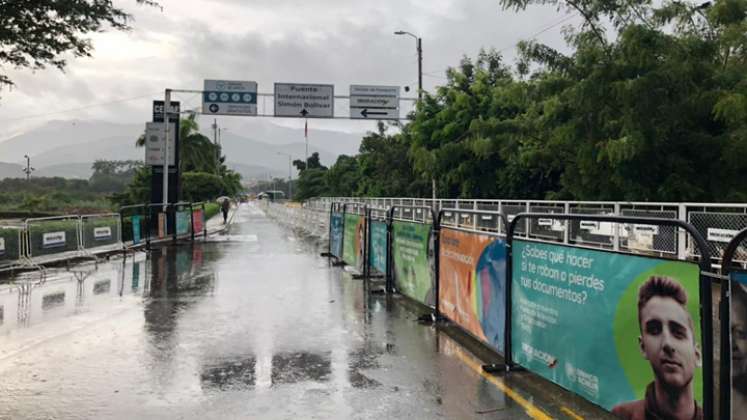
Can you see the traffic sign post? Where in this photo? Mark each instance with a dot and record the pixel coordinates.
(374, 102)
(157, 172)
(229, 97)
(155, 144)
(304, 100)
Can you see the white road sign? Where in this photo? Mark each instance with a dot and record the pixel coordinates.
(155, 144)
(374, 102)
(304, 100)
(229, 97)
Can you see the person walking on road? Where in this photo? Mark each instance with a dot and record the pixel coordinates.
(225, 204)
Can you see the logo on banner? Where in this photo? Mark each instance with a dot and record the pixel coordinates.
(102, 233)
(53, 240)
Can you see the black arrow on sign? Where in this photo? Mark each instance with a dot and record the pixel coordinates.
(366, 113)
(304, 112)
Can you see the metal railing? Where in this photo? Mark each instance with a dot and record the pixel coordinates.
(717, 222)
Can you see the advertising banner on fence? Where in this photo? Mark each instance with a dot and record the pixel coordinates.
(413, 261)
(613, 328)
(197, 221)
(472, 284)
(335, 234)
(136, 233)
(353, 242)
(182, 222)
(377, 249)
(738, 344)
(161, 225)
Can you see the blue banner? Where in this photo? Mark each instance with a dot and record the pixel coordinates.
(335, 234)
(183, 221)
(377, 247)
(136, 236)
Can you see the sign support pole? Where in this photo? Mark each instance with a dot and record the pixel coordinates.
(166, 119)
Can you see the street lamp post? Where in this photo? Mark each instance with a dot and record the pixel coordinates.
(419, 47)
(290, 176)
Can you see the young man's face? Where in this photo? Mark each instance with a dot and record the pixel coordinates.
(667, 342)
(738, 337)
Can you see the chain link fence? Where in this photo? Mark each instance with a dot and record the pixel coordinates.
(718, 223)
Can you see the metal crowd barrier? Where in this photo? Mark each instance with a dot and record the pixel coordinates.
(12, 246)
(101, 232)
(632, 250)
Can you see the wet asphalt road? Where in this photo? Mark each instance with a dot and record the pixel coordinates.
(256, 326)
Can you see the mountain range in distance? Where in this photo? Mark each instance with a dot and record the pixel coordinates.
(257, 150)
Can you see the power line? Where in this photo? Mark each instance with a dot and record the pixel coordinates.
(434, 74)
(536, 34)
(65, 111)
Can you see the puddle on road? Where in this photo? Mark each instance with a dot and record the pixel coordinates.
(233, 238)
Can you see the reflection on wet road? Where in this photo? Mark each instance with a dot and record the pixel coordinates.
(251, 325)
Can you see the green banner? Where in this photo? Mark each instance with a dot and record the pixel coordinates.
(352, 252)
(377, 246)
(413, 261)
(610, 327)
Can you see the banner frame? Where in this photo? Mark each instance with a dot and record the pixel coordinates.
(706, 310)
(435, 231)
(504, 220)
(727, 266)
(369, 219)
(365, 242)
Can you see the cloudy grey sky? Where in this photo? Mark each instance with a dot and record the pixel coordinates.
(316, 41)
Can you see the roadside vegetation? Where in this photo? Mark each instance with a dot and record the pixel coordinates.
(651, 104)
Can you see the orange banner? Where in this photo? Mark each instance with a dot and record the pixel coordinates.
(472, 283)
(161, 225)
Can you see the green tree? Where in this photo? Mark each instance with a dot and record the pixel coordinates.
(342, 178)
(384, 165)
(41, 33)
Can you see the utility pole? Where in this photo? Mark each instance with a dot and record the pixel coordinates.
(419, 48)
(167, 121)
(290, 175)
(215, 130)
(28, 168)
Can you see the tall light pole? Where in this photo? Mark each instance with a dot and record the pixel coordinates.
(28, 168)
(419, 47)
(290, 176)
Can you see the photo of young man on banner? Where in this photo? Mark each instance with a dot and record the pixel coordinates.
(738, 344)
(668, 342)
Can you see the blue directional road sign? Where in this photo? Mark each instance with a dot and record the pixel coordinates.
(229, 97)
